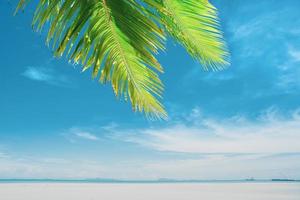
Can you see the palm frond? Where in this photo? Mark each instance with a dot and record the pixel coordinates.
(194, 24)
(117, 39)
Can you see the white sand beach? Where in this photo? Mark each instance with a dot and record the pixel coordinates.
(205, 191)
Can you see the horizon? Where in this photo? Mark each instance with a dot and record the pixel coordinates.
(160, 180)
(238, 123)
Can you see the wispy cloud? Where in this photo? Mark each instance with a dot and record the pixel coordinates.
(205, 167)
(258, 48)
(193, 148)
(294, 53)
(86, 135)
(47, 75)
(263, 24)
(75, 134)
(288, 78)
(37, 74)
(271, 134)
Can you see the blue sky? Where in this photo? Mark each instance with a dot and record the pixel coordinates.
(55, 122)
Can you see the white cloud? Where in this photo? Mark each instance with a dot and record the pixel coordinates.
(196, 148)
(75, 134)
(86, 135)
(204, 167)
(255, 26)
(46, 75)
(263, 25)
(288, 79)
(294, 53)
(250, 34)
(37, 74)
(271, 134)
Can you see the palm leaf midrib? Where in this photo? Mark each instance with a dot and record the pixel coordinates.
(109, 22)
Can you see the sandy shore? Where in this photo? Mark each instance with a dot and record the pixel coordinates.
(87, 191)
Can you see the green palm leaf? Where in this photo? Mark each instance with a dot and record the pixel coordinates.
(118, 40)
(194, 24)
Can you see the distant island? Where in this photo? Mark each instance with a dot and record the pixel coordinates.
(278, 179)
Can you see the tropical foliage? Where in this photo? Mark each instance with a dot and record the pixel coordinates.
(119, 39)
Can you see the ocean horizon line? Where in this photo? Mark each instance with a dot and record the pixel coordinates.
(161, 180)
